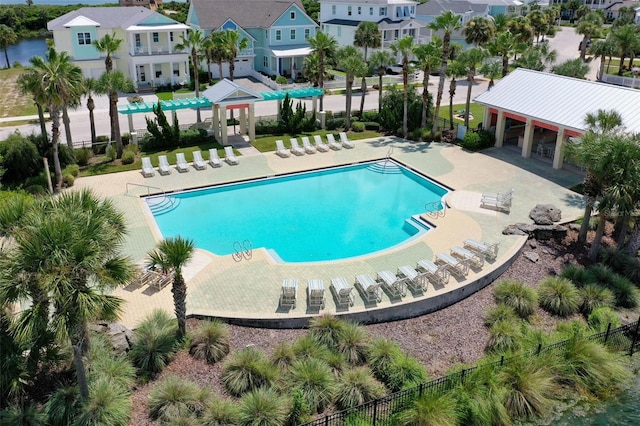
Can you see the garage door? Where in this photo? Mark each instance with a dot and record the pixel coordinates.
(243, 67)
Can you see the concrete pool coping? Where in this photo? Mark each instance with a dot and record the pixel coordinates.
(247, 292)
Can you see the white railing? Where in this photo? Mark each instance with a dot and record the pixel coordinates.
(265, 80)
(618, 80)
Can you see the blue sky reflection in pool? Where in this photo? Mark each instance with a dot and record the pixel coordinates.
(317, 216)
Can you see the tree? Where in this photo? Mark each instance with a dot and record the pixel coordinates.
(470, 59)
(311, 69)
(626, 38)
(572, 68)
(492, 70)
(429, 57)
(89, 89)
(539, 23)
(454, 70)
(29, 83)
(521, 28)
(501, 22)
(110, 83)
(504, 45)
(7, 37)
(379, 61)
(603, 48)
(216, 49)
(404, 48)
(353, 66)
(590, 27)
(232, 44)
(537, 57)
(193, 43)
(61, 81)
(367, 36)
(325, 46)
(478, 31)
(108, 44)
(172, 254)
(445, 22)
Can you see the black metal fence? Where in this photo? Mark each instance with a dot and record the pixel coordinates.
(378, 412)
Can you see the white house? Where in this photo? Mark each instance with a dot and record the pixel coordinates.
(147, 55)
(429, 11)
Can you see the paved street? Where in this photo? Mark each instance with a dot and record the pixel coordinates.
(565, 42)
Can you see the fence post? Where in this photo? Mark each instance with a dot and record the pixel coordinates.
(635, 337)
(539, 349)
(375, 411)
(420, 388)
(606, 335)
(326, 420)
(501, 360)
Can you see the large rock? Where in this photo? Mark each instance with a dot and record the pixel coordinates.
(119, 335)
(545, 214)
(539, 232)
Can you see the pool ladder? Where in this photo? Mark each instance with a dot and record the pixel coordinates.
(433, 209)
(387, 159)
(242, 250)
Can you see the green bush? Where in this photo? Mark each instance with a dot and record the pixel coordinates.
(335, 123)
(471, 141)
(154, 342)
(518, 295)
(316, 381)
(63, 406)
(595, 296)
(627, 295)
(504, 336)
(357, 126)
(500, 312)
(68, 180)
(247, 370)
(128, 157)
(370, 116)
(326, 329)
(263, 407)
(111, 153)
(108, 404)
(391, 114)
(210, 341)
(282, 355)
(357, 386)
(353, 343)
(382, 353)
(558, 296)
(372, 125)
(404, 372)
(309, 347)
(529, 387)
(72, 169)
(82, 156)
(576, 274)
(282, 80)
(432, 408)
(20, 158)
(174, 397)
(220, 412)
(415, 134)
(600, 318)
(426, 134)
(39, 180)
(268, 128)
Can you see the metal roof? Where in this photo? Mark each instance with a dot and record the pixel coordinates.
(227, 91)
(559, 100)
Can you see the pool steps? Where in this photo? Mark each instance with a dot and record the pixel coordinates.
(163, 204)
(385, 167)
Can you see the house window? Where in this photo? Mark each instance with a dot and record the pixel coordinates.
(383, 11)
(293, 34)
(395, 34)
(406, 11)
(278, 35)
(349, 10)
(156, 37)
(307, 33)
(84, 38)
(398, 12)
(384, 34)
(371, 11)
(359, 10)
(292, 15)
(339, 31)
(413, 10)
(333, 9)
(266, 34)
(171, 35)
(265, 61)
(138, 42)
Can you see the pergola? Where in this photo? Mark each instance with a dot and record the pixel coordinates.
(553, 106)
(221, 97)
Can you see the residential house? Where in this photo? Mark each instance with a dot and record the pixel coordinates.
(427, 13)
(277, 32)
(149, 4)
(395, 18)
(502, 7)
(147, 55)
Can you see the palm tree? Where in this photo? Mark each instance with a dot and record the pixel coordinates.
(429, 57)
(218, 54)
(454, 70)
(626, 37)
(311, 69)
(7, 37)
(590, 26)
(572, 68)
(89, 89)
(603, 48)
(537, 57)
(193, 43)
(501, 22)
(232, 44)
(172, 254)
(60, 84)
(492, 70)
(110, 83)
(521, 28)
(539, 23)
(325, 46)
(479, 31)
(504, 45)
(367, 36)
(404, 48)
(108, 44)
(353, 66)
(470, 59)
(30, 83)
(446, 22)
(380, 60)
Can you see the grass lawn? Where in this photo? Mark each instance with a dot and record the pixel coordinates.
(12, 102)
(165, 96)
(477, 112)
(268, 143)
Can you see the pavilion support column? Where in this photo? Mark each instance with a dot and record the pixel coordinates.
(130, 120)
(486, 119)
(216, 122)
(314, 105)
(558, 155)
(527, 143)
(278, 110)
(252, 123)
(243, 121)
(223, 125)
(500, 129)
(174, 116)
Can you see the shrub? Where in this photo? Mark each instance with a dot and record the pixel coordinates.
(220, 412)
(262, 407)
(432, 409)
(519, 296)
(111, 153)
(600, 319)
(627, 295)
(613, 258)
(268, 128)
(391, 112)
(405, 372)
(20, 158)
(132, 148)
(128, 157)
(283, 355)
(309, 347)
(63, 406)
(174, 397)
(247, 370)
(372, 125)
(154, 342)
(353, 343)
(600, 274)
(326, 329)
(68, 180)
(40, 180)
(210, 341)
(357, 386)
(335, 123)
(299, 412)
(370, 116)
(631, 269)
(282, 80)
(315, 379)
(415, 134)
(594, 297)
(504, 336)
(108, 404)
(487, 139)
(382, 353)
(576, 274)
(336, 361)
(72, 169)
(358, 126)
(22, 414)
(471, 141)
(500, 312)
(558, 296)
(82, 156)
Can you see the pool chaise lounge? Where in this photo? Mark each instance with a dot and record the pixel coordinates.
(459, 267)
(345, 141)
(214, 159)
(489, 251)
(320, 145)
(437, 274)
(369, 288)
(394, 285)
(229, 156)
(308, 148)
(499, 201)
(332, 142)
(412, 278)
(147, 168)
(281, 151)
(316, 294)
(343, 291)
(198, 161)
(164, 168)
(463, 254)
(288, 293)
(295, 147)
(181, 163)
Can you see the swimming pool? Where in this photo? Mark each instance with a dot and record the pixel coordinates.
(321, 215)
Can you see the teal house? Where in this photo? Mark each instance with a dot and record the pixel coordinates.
(277, 32)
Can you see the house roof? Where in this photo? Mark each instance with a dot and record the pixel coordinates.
(106, 17)
(459, 7)
(226, 91)
(246, 13)
(363, 2)
(559, 100)
(346, 22)
(498, 2)
(388, 24)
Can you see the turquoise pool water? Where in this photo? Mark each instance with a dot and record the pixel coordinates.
(315, 216)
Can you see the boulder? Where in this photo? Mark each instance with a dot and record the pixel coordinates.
(545, 214)
(531, 255)
(119, 335)
(539, 232)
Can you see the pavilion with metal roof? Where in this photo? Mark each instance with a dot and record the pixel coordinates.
(538, 111)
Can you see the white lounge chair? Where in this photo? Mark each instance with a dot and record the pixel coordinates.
(181, 163)
(288, 293)
(214, 159)
(464, 254)
(412, 278)
(308, 148)
(343, 291)
(500, 201)
(295, 147)
(459, 267)
(316, 294)
(281, 151)
(332, 142)
(369, 288)
(320, 146)
(147, 168)
(164, 168)
(198, 161)
(394, 285)
(229, 156)
(437, 274)
(162, 280)
(489, 251)
(345, 141)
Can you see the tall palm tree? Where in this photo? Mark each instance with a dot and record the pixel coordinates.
(89, 89)
(379, 61)
(61, 81)
(501, 22)
(603, 48)
(367, 36)
(7, 37)
(218, 54)
(589, 26)
(479, 31)
(521, 28)
(470, 59)
(111, 83)
(626, 36)
(429, 57)
(539, 23)
(172, 254)
(455, 70)
(30, 83)
(108, 44)
(353, 66)
(207, 49)
(504, 45)
(193, 43)
(572, 68)
(325, 46)
(404, 48)
(491, 70)
(445, 22)
(233, 44)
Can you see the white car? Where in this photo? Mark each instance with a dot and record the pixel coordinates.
(394, 69)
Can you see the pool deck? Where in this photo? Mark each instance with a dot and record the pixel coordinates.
(247, 291)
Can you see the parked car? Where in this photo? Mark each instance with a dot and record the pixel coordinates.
(588, 44)
(394, 69)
